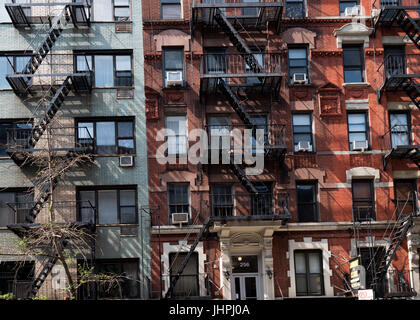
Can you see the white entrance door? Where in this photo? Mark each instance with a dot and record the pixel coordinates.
(245, 287)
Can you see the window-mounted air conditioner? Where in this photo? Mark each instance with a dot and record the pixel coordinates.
(304, 146)
(180, 218)
(352, 11)
(300, 78)
(359, 145)
(173, 78)
(126, 161)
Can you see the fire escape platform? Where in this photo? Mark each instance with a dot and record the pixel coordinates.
(20, 19)
(388, 15)
(22, 83)
(22, 229)
(411, 152)
(204, 14)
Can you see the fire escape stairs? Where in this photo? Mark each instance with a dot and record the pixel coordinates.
(242, 177)
(403, 225)
(175, 278)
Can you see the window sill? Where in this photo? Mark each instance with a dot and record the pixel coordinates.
(117, 88)
(118, 225)
(356, 84)
(300, 85)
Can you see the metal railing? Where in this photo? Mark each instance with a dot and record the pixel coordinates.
(401, 136)
(233, 65)
(382, 4)
(62, 139)
(273, 135)
(363, 213)
(397, 284)
(399, 65)
(64, 211)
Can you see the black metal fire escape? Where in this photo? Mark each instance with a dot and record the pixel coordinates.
(23, 85)
(394, 15)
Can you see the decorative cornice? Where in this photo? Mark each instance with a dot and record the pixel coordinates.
(163, 22)
(377, 52)
(326, 53)
(153, 56)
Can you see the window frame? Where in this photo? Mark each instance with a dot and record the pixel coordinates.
(304, 9)
(341, 13)
(224, 207)
(307, 274)
(14, 55)
(19, 192)
(371, 199)
(172, 274)
(367, 127)
(13, 125)
(177, 138)
(414, 200)
(171, 3)
(307, 64)
(360, 68)
(314, 203)
(114, 6)
(177, 204)
(115, 120)
(117, 188)
(408, 125)
(165, 49)
(312, 135)
(114, 54)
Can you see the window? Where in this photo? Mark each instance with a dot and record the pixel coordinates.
(16, 277)
(177, 138)
(109, 70)
(358, 129)
(121, 10)
(10, 64)
(353, 63)
(222, 200)
(400, 129)
(251, 12)
(395, 60)
(171, 9)
(111, 10)
(113, 205)
(405, 196)
(187, 284)
(308, 273)
(15, 206)
(129, 284)
(178, 198)
(14, 134)
(110, 137)
(262, 203)
(307, 202)
(259, 57)
(302, 132)
(219, 130)
(298, 62)
(370, 258)
(347, 4)
(363, 200)
(173, 65)
(261, 122)
(216, 60)
(295, 9)
(385, 3)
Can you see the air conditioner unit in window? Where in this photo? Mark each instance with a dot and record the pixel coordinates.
(304, 146)
(126, 161)
(173, 78)
(180, 218)
(352, 11)
(359, 145)
(300, 78)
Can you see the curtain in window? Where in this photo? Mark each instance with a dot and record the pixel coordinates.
(104, 71)
(357, 128)
(107, 207)
(125, 137)
(105, 137)
(5, 69)
(399, 129)
(102, 10)
(123, 71)
(177, 135)
(171, 9)
(6, 212)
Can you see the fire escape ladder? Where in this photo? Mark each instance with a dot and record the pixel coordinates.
(238, 42)
(410, 27)
(234, 102)
(404, 224)
(39, 280)
(203, 229)
(412, 89)
(243, 179)
(47, 43)
(53, 106)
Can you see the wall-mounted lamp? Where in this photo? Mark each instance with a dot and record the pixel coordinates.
(269, 274)
(227, 275)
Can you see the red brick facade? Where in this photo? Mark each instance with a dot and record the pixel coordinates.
(332, 166)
